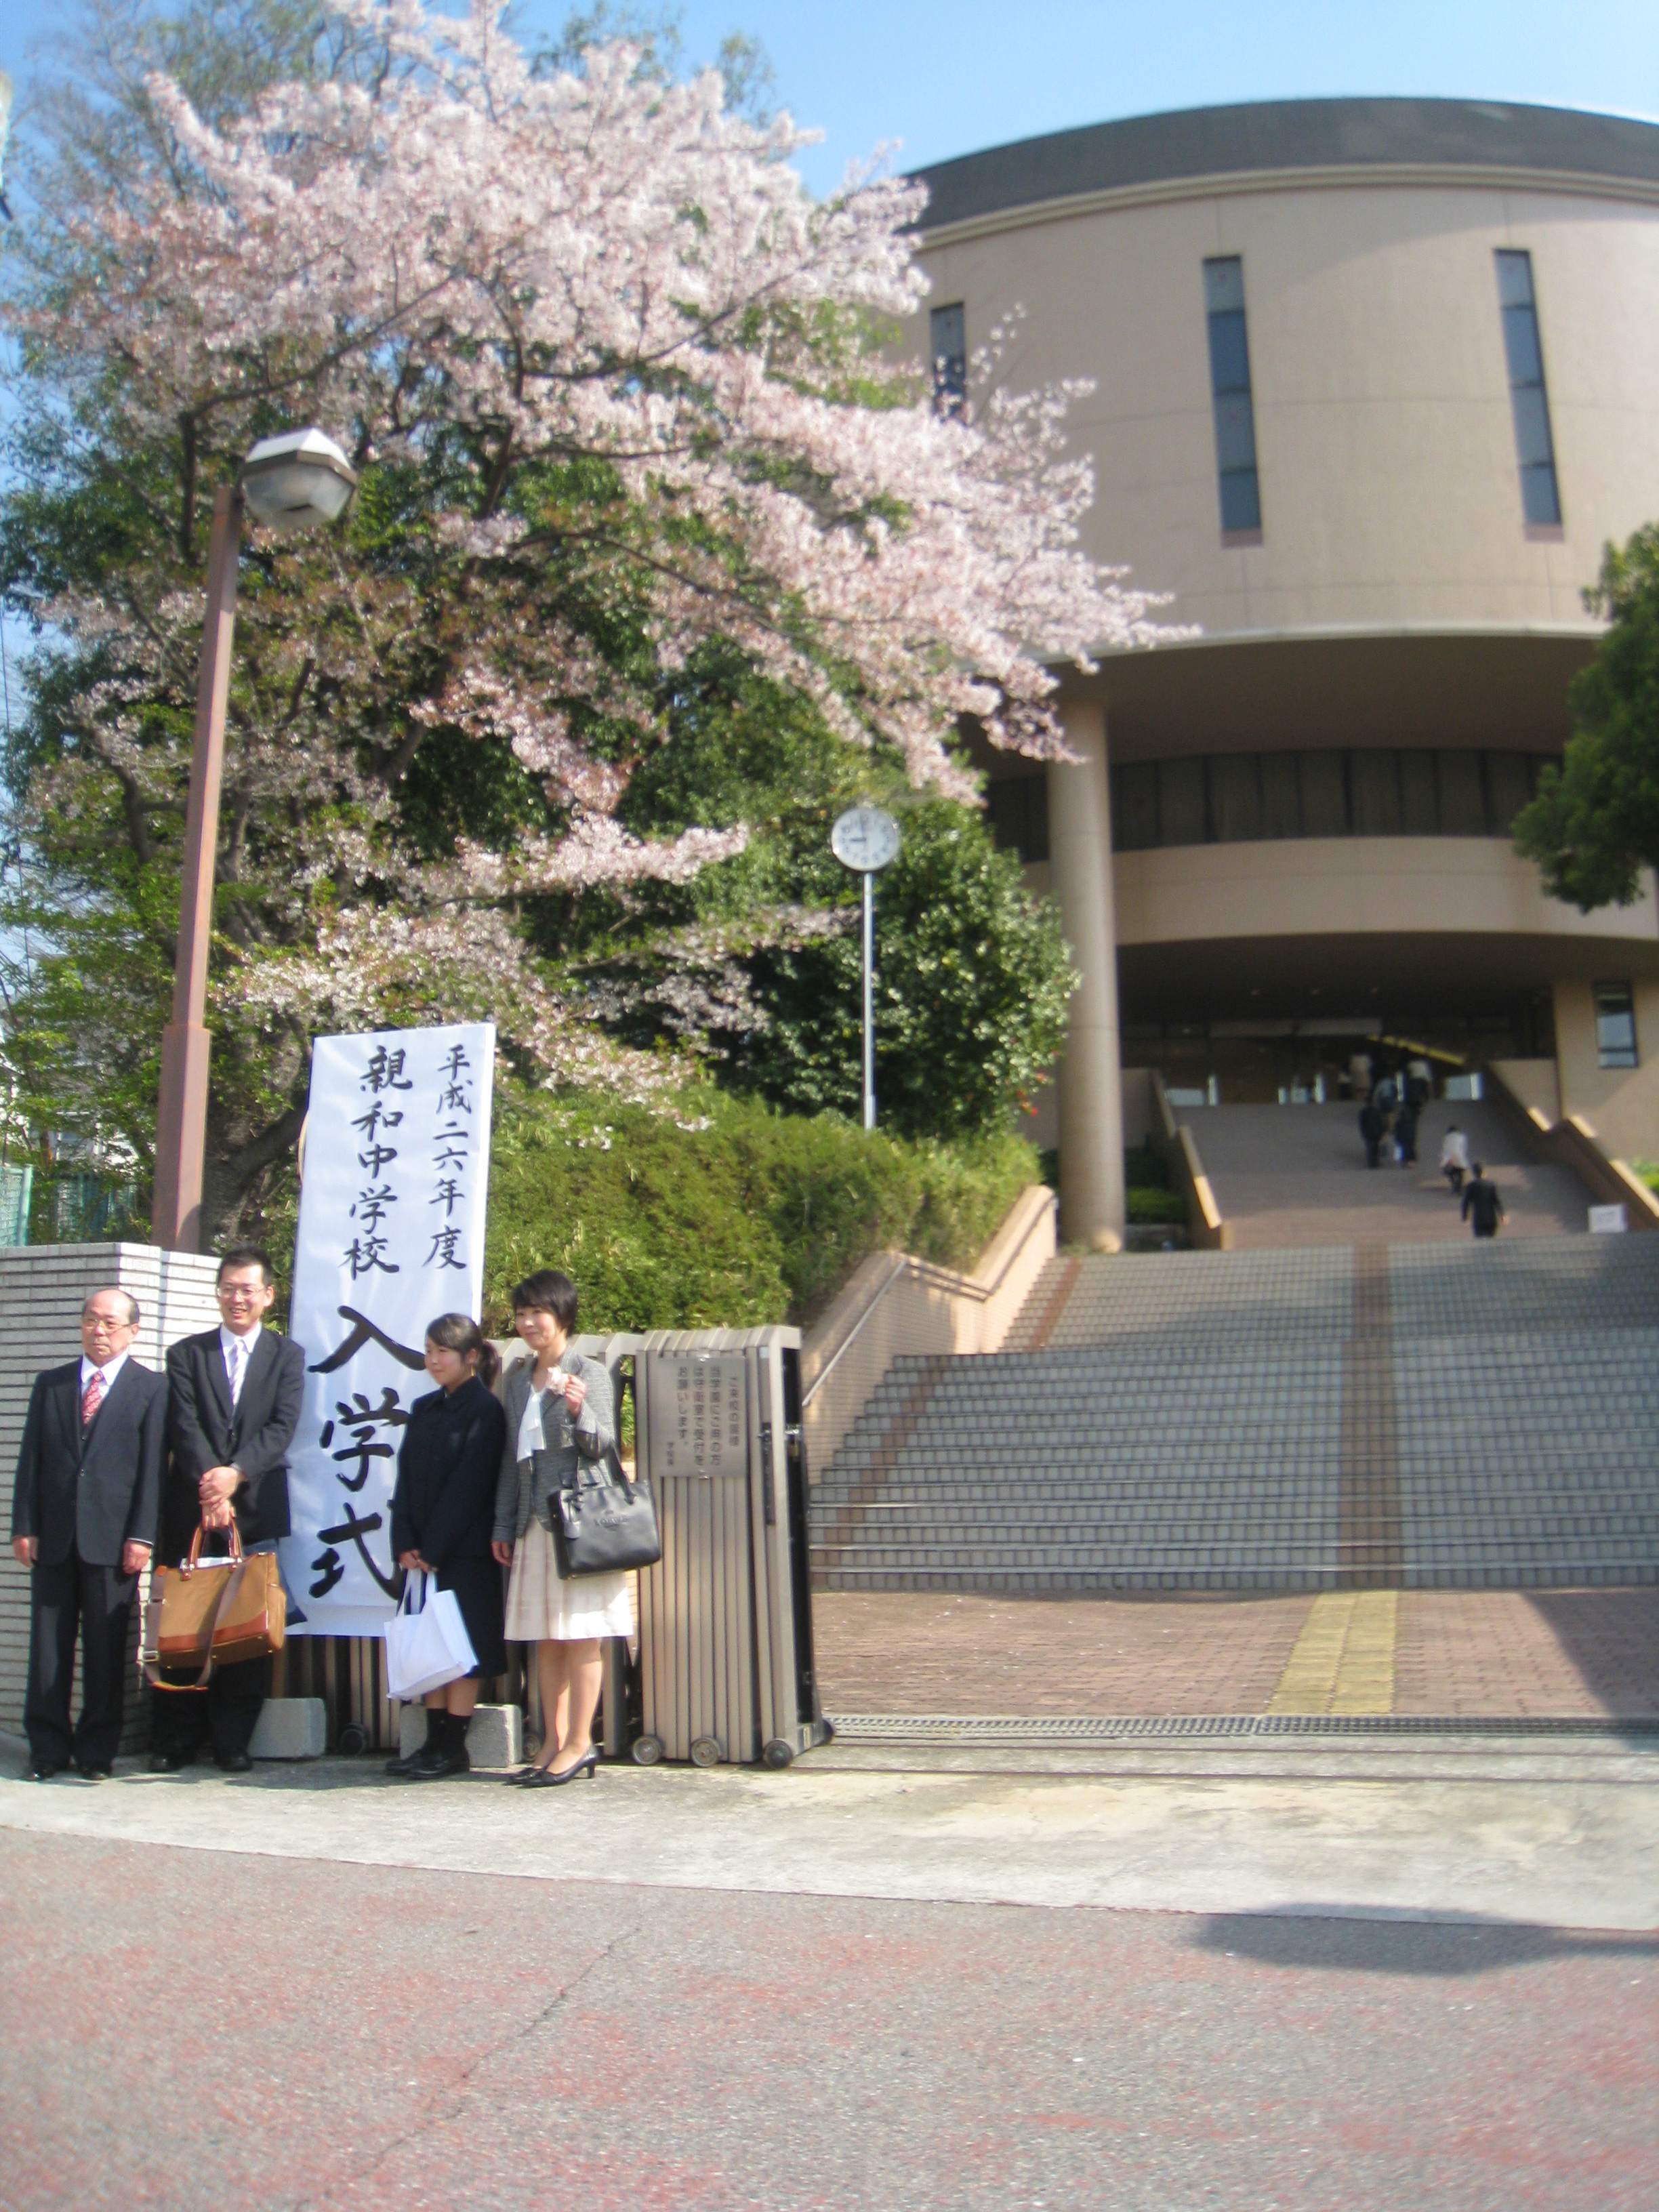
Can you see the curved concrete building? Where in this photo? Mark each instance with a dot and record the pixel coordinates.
(1373, 387)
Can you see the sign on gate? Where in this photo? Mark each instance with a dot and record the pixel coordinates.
(392, 1231)
(699, 1414)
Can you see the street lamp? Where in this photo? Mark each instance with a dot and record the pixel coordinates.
(290, 483)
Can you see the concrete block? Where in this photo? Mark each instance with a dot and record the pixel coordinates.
(290, 1728)
(495, 1739)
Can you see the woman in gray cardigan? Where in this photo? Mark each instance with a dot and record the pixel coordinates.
(559, 1412)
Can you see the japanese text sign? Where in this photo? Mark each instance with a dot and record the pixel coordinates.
(391, 1232)
(698, 1414)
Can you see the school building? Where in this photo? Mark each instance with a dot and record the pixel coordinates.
(1372, 388)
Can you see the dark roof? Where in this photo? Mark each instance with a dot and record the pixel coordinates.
(1288, 134)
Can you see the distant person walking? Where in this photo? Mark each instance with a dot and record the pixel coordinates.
(1455, 1158)
(1482, 1207)
(1373, 1127)
(1405, 1134)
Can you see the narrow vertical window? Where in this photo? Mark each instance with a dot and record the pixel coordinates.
(1615, 1025)
(950, 358)
(1534, 449)
(1229, 382)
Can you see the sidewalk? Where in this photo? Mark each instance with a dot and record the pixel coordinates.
(1559, 1654)
(1554, 1832)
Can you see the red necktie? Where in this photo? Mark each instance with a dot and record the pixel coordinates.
(91, 1399)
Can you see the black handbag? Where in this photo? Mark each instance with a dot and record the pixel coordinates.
(605, 1525)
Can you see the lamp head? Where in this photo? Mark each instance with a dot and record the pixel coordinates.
(295, 481)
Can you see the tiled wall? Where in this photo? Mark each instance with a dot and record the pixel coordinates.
(42, 1290)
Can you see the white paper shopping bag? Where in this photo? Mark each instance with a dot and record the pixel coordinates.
(427, 1646)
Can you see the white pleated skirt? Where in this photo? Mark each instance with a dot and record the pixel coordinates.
(543, 1607)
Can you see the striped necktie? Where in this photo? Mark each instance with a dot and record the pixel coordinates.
(235, 1360)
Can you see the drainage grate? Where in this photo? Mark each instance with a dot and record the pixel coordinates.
(987, 1727)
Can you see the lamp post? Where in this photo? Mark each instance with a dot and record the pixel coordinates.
(290, 483)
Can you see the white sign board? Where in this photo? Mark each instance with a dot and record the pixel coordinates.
(1608, 1221)
(391, 1234)
(698, 1413)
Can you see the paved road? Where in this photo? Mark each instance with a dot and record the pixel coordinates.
(1402, 1978)
(399, 2038)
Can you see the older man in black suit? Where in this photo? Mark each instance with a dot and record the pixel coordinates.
(83, 1520)
(235, 1395)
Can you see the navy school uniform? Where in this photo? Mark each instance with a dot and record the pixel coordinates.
(444, 1506)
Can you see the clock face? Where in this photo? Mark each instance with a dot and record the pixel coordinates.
(865, 839)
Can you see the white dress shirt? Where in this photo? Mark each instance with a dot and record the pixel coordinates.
(89, 1368)
(232, 1346)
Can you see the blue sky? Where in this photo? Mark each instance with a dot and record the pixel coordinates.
(944, 76)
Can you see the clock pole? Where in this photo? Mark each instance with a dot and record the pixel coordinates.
(864, 840)
(869, 1000)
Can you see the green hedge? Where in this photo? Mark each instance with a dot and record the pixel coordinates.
(1146, 1204)
(753, 1217)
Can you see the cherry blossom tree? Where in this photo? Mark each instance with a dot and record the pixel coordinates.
(623, 394)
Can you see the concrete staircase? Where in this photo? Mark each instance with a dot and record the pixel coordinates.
(1424, 1416)
(1296, 1176)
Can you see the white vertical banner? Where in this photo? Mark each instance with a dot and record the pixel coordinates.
(391, 1234)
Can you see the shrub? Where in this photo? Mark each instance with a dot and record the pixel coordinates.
(972, 977)
(1145, 1204)
(736, 1216)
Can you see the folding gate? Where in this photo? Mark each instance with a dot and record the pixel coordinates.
(726, 1626)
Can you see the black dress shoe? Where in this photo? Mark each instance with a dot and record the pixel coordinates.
(437, 1765)
(587, 1764)
(401, 1770)
(42, 1773)
(92, 1773)
(237, 1763)
(171, 1762)
(437, 1760)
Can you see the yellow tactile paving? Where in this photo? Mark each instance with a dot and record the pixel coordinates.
(1343, 1659)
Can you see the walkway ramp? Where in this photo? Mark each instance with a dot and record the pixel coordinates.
(1426, 1416)
(1295, 1176)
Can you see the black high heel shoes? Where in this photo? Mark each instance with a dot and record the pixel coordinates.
(544, 1779)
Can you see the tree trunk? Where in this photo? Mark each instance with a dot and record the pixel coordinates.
(232, 1173)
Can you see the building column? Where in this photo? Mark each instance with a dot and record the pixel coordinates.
(1090, 1082)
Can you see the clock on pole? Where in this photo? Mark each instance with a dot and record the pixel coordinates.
(866, 839)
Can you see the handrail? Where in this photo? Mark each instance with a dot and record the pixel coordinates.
(917, 1307)
(854, 1334)
(1002, 1254)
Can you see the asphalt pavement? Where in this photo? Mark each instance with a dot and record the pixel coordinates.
(1386, 1974)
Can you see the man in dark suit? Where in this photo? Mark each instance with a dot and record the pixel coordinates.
(83, 1520)
(235, 1393)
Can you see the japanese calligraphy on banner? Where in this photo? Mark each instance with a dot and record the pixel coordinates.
(391, 1234)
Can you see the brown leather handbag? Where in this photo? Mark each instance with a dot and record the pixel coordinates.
(212, 1612)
